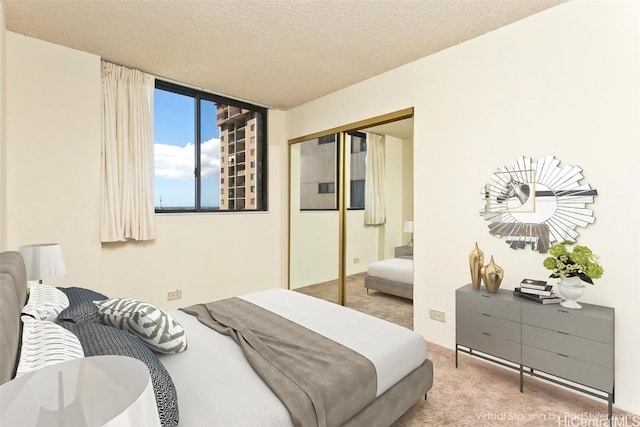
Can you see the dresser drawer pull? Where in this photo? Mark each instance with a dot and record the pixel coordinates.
(563, 333)
(486, 333)
(485, 314)
(563, 311)
(563, 355)
(486, 296)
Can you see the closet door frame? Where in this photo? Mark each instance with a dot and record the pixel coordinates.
(341, 131)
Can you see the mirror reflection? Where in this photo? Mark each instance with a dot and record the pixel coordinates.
(314, 219)
(378, 165)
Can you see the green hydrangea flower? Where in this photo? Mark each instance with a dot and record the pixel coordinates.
(581, 262)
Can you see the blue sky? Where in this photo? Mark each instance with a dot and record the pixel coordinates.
(174, 136)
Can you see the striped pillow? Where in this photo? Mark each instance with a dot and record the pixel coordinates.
(45, 343)
(152, 325)
(45, 302)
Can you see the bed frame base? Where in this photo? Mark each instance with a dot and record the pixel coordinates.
(391, 404)
(404, 290)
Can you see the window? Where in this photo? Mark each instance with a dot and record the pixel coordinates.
(326, 187)
(357, 169)
(318, 173)
(327, 139)
(191, 130)
(357, 194)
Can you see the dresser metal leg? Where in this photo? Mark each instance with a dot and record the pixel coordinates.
(521, 380)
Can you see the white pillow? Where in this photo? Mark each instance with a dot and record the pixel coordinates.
(45, 343)
(45, 302)
(152, 325)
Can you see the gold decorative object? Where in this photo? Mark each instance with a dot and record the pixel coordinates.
(492, 276)
(476, 259)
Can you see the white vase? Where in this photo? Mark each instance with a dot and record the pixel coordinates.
(571, 289)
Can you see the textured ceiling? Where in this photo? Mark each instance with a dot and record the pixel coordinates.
(278, 53)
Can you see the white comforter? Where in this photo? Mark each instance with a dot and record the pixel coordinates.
(217, 386)
(395, 269)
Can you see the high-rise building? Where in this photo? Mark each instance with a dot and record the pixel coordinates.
(239, 158)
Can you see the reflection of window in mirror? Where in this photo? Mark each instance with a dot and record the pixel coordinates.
(357, 169)
(319, 173)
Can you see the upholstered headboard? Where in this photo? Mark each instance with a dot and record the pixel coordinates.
(13, 296)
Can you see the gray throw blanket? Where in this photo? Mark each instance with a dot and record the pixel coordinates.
(320, 382)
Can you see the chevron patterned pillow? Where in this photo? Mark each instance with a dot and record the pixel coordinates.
(152, 325)
(45, 343)
(45, 302)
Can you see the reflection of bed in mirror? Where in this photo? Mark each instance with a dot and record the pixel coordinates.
(392, 276)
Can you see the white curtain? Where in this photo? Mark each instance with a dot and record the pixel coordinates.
(127, 154)
(374, 205)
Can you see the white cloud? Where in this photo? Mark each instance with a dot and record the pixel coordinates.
(210, 158)
(174, 162)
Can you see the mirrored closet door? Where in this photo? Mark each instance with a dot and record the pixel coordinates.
(332, 237)
(314, 217)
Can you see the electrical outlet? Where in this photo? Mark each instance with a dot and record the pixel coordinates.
(436, 315)
(172, 295)
(356, 260)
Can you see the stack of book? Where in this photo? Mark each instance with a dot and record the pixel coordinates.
(538, 291)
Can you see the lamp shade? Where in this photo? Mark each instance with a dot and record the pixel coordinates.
(111, 391)
(43, 260)
(408, 226)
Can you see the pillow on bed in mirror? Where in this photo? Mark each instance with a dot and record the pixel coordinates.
(81, 307)
(98, 340)
(152, 325)
(45, 302)
(45, 343)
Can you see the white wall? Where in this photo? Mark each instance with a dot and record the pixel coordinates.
(53, 176)
(563, 82)
(3, 133)
(407, 185)
(53, 152)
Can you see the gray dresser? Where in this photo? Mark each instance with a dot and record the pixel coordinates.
(547, 340)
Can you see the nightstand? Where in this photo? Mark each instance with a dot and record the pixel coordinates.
(99, 390)
(403, 252)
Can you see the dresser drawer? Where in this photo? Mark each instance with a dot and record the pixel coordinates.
(595, 352)
(495, 326)
(592, 322)
(483, 302)
(490, 344)
(588, 374)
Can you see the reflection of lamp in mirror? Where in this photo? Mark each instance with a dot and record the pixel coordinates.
(43, 260)
(408, 228)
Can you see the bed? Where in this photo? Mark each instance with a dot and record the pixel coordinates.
(217, 383)
(392, 276)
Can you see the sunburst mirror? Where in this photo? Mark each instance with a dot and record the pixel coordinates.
(537, 202)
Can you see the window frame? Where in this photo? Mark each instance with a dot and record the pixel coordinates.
(261, 158)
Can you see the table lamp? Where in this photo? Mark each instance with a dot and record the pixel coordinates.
(408, 228)
(43, 260)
